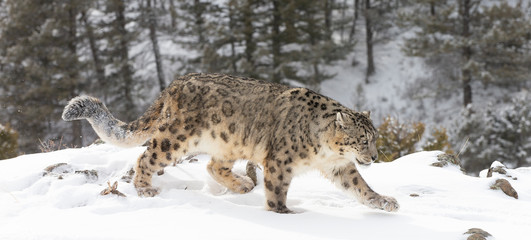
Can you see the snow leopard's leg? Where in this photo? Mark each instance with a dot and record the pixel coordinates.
(277, 178)
(221, 171)
(160, 153)
(349, 179)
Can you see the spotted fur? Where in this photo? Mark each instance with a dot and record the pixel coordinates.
(286, 130)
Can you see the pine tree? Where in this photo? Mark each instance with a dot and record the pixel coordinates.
(506, 46)
(307, 30)
(244, 31)
(276, 41)
(197, 36)
(497, 134)
(240, 42)
(121, 80)
(369, 17)
(41, 68)
(150, 14)
(511, 131)
(378, 14)
(173, 14)
(472, 34)
(356, 6)
(250, 38)
(248, 14)
(93, 39)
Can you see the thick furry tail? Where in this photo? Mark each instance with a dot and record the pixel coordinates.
(108, 128)
(83, 107)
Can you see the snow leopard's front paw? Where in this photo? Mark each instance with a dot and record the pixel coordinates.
(147, 191)
(388, 204)
(242, 184)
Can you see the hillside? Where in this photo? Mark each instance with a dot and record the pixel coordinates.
(436, 203)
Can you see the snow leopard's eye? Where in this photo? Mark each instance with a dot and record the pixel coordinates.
(365, 142)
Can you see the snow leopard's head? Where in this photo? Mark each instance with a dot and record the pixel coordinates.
(356, 137)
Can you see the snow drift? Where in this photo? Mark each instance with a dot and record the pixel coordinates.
(65, 202)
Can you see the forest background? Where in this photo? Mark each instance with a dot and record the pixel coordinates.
(467, 91)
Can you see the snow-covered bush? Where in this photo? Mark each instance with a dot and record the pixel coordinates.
(397, 139)
(8, 142)
(497, 134)
(438, 141)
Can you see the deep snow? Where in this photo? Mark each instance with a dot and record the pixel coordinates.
(193, 206)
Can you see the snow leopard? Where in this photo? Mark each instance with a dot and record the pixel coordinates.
(288, 131)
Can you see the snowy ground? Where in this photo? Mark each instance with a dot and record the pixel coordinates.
(193, 206)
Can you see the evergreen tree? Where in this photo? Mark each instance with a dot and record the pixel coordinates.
(173, 14)
(150, 15)
(235, 38)
(497, 134)
(120, 76)
(378, 15)
(248, 30)
(279, 40)
(197, 36)
(92, 42)
(506, 46)
(242, 34)
(276, 40)
(40, 68)
(490, 43)
(355, 10)
(369, 17)
(312, 47)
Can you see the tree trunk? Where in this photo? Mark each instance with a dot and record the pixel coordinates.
(368, 29)
(73, 75)
(328, 6)
(173, 15)
(198, 15)
(100, 74)
(152, 22)
(342, 23)
(466, 52)
(355, 19)
(232, 40)
(356, 9)
(467, 88)
(275, 41)
(316, 78)
(250, 45)
(125, 70)
(316, 74)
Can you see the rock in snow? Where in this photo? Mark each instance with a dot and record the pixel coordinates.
(477, 234)
(505, 186)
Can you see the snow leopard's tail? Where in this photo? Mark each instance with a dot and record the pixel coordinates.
(108, 128)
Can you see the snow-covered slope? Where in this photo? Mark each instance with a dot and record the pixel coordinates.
(68, 205)
(386, 94)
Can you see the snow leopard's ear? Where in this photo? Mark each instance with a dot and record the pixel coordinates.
(340, 119)
(366, 113)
